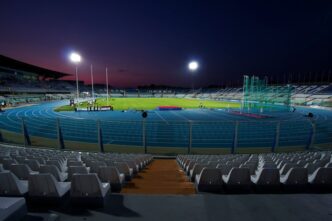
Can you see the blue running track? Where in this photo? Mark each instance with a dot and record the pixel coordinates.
(210, 128)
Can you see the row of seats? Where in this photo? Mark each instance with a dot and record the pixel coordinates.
(43, 174)
(12, 208)
(289, 172)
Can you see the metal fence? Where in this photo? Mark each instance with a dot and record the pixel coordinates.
(167, 137)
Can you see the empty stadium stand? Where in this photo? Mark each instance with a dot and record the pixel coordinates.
(93, 180)
(53, 174)
(274, 172)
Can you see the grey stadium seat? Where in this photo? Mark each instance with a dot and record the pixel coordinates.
(124, 168)
(52, 169)
(6, 163)
(312, 167)
(1, 168)
(12, 208)
(209, 180)
(133, 165)
(75, 163)
(225, 169)
(321, 179)
(286, 167)
(56, 163)
(266, 179)
(197, 169)
(251, 166)
(87, 188)
(10, 185)
(111, 175)
(269, 165)
(328, 165)
(238, 179)
(40, 160)
(46, 186)
(94, 166)
(296, 179)
(189, 167)
(19, 159)
(33, 164)
(22, 171)
(76, 169)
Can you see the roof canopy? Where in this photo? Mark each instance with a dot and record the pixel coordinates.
(18, 65)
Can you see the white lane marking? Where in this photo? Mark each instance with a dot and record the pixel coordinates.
(161, 117)
(178, 115)
(66, 116)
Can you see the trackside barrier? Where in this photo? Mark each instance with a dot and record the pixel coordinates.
(187, 136)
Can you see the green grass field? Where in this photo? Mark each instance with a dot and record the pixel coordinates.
(153, 103)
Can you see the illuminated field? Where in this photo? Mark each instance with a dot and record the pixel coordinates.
(153, 103)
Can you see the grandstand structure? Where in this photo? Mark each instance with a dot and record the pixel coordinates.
(21, 82)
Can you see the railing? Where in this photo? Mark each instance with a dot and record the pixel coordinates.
(167, 137)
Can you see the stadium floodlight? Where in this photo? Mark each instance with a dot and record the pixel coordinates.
(76, 58)
(193, 65)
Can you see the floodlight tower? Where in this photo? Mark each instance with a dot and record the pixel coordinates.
(92, 90)
(192, 67)
(76, 59)
(107, 85)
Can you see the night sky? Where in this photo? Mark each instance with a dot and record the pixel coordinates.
(144, 42)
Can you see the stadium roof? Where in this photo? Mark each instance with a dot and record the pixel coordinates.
(22, 66)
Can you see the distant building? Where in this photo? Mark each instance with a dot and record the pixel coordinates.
(18, 77)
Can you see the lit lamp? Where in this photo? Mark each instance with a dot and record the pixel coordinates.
(193, 66)
(76, 59)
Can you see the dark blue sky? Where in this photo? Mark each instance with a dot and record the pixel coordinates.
(144, 42)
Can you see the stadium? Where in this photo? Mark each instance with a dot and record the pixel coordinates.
(72, 148)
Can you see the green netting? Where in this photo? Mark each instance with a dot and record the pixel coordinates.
(258, 96)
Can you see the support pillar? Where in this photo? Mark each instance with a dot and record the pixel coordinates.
(144, 136)
(276, 138)
(235, 140)
(312, 135)
(1, 138)
(100, 137)
(190, 136)
(26, 138)
(61, 143)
